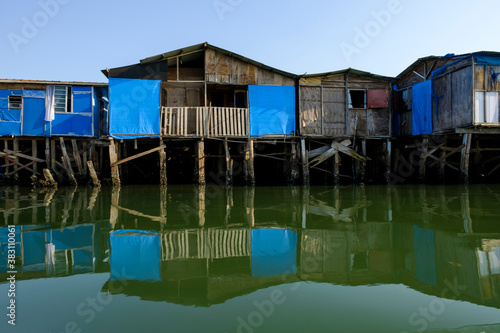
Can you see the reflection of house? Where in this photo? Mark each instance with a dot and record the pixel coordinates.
(46, 252)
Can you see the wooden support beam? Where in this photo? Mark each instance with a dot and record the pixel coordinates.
(336, 169)
(363, 163)
(16, 149)
(17, 164)
(464, 159)
(49, 180)
(422, 166)
(200, 162)
(248, 164)
(388, 158)
(304, 159)
(229, 164)
(163, 165)
(67, 162)
(93, 174)
(113, 158)
(76, 157)
(47, 153)
(53, 154)
(15, 155)
(294, 162)
(34, 153)
(442, 164)
(6, 147)
(128, 159)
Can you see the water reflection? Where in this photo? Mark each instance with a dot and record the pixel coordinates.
(204, 246)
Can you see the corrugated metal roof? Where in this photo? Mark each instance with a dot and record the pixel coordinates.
(69, 83)
(353, 72)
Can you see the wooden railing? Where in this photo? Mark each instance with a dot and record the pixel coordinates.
(205, 121)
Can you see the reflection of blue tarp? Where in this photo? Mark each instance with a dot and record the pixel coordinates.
(82, 261)
(425, 255)
(4, 246)
(34, 247)
(422, 108)
(73, 237)
(273, 252)
(135, 255)
(134, 108)
(272, 109)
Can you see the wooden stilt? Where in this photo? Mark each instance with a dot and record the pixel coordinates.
(67, 163)
(294, 163)
(113, 158)
(442, 164)
(362, 177)
(47, 153)
(163, 166)
(305, 163)
(16, 149)
(336, 168)
(49, 180)
(93, 174)
(464, 160)
(388, 158)
(200, 162)
(423, 161)
(229, 165)
(34, 153)
(53, 154)
(249, 164)
(85, 163)
(76, 157)
(6, 147)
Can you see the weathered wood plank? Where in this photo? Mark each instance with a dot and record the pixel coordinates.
(137, 155)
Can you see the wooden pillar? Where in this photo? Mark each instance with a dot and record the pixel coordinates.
(464, 160)
(305, 162)
(47, 153)
(248, 164)
(442, 164)
(200, 162)
(6, 146)
(388, 158)
(362, 176)
(336, 168)
(423, 161)
(294, 163)
(478, 158)
(67, 163)
(163, 166)
(16, 149)
(34, 153)
(49, 180)
(53, 154)
(113, 158)
(93, 174)
(76, 157)
(229, 164)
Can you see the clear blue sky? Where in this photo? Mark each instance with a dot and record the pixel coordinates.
(73, 40)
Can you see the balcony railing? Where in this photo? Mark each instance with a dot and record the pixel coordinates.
(205, 121)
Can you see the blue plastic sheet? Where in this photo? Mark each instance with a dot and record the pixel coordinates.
(272, 110)
(34, 93)
(71, 124)
(33, 116)
(10, 128)
(484, 59)
(422, 108)
(135, 255)
(6, 93)
(10, 115)
(274, 252)
(425, 255)
(134, 108)
(82, 101)
(73, 237)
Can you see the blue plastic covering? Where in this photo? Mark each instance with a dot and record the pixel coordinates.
(272, 110)
(33, 116)
(34, 93)
(134, 108)
(82, 261)
(425, 255)
(422, 108)
(10, 128)
(6, 93)
(484, 59)
(10, 115)
(274, 252)
(73, 237)
(82, 99)
(72, 124)
(34, 247)
(135, 255)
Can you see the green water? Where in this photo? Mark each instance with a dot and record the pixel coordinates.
(285, 259)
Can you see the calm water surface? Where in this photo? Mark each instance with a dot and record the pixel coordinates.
(286, 259)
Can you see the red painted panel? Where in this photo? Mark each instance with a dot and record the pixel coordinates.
(377, 98)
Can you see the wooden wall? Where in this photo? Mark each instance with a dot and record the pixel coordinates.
(221, 68)
(323, 107)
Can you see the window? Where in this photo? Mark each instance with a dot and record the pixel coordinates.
(62, 99)
(357, 99)
(15, 101)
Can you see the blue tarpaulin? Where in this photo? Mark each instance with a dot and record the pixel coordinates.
(484, 59)
(71, 124)
(82, 99)
(274, 252)
(10, 128)
(134, 108)
(422, 108)
(73, 237)
(425, 255)
(135, 255)
(272, 110)
(34, 247)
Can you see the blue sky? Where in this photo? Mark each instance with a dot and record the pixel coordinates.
(73, 40)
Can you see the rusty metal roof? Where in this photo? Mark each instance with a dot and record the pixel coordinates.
(68, 83)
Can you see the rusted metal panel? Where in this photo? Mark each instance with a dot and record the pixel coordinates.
(377, 98)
